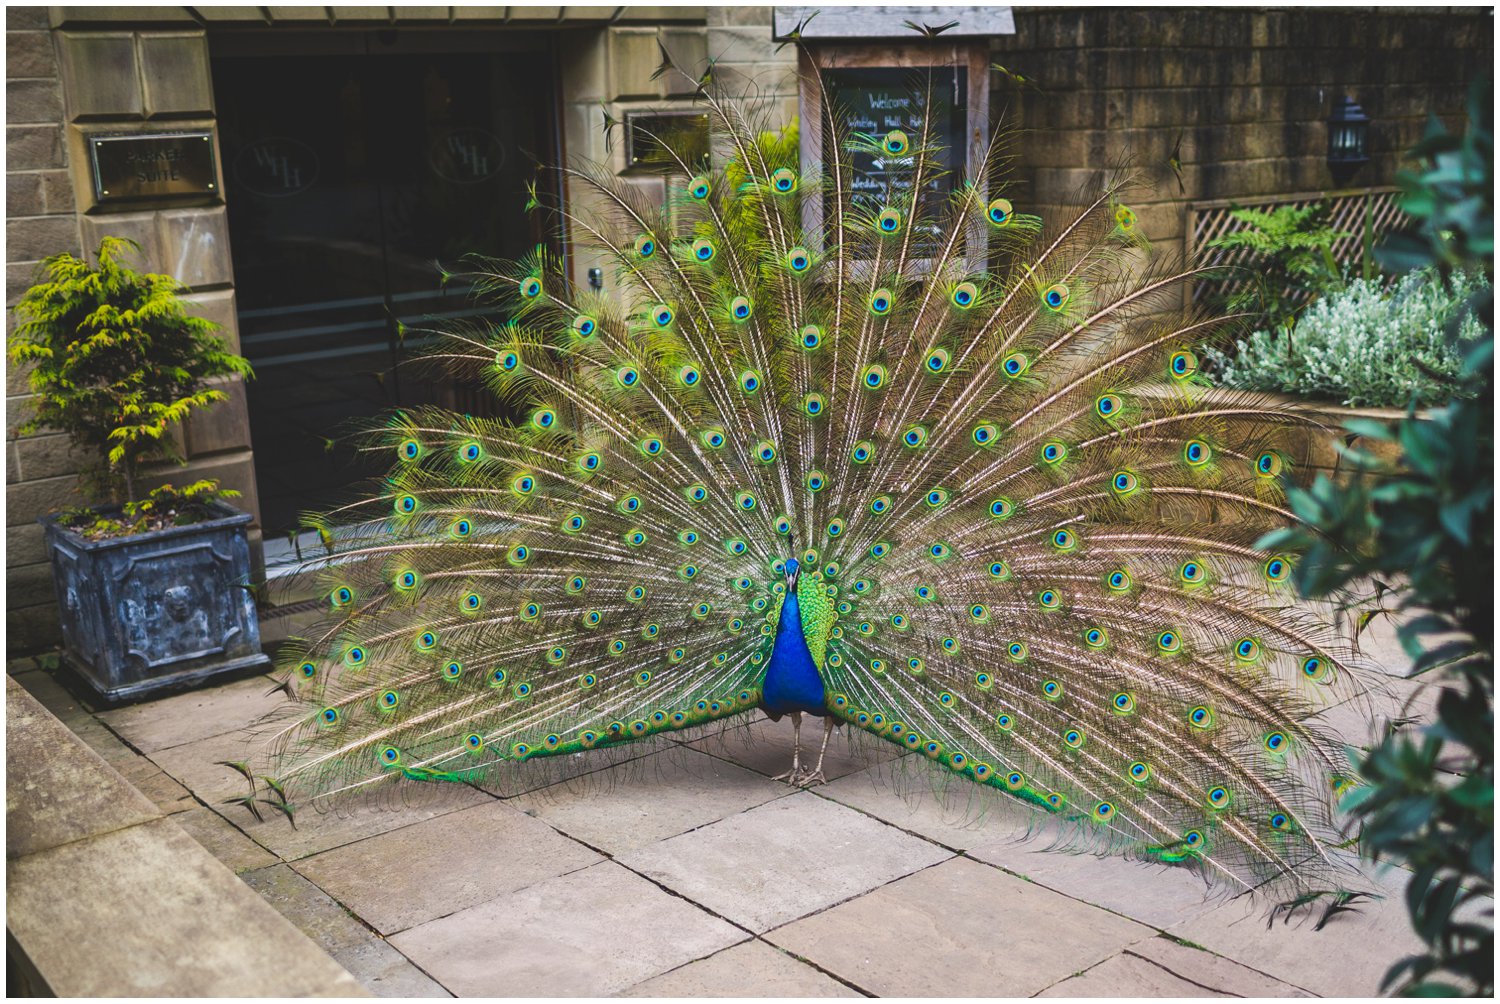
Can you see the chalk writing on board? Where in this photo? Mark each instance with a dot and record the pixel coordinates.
(876, 100)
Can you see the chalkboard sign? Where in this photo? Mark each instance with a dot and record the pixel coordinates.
(154, 166)
(876, 100)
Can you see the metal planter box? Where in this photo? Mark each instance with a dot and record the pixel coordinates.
(156, 610)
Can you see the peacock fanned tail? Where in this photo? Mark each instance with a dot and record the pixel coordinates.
(984, 438)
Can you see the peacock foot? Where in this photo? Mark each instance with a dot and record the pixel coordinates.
(812, 777)
(789, 776)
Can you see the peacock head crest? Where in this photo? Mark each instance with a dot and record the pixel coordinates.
(791, 571)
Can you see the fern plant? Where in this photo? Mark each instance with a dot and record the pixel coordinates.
(1290, 260)
(116, 361)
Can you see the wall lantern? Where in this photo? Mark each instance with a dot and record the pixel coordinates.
(1348, 136)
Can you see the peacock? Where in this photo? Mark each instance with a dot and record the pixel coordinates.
(880, 448)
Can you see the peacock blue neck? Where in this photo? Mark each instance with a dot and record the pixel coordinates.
(792, 682)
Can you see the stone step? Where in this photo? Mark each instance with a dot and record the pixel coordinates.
(107, 897)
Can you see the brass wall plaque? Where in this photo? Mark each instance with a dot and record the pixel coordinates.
(154, 166)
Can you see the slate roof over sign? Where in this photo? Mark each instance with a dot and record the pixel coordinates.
(890, 22)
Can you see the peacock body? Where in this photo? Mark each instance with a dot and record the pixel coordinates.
(918, 464)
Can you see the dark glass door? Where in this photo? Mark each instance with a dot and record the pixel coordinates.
(352, 169)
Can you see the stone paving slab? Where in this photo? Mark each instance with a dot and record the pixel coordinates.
(1154, 894)
(960, 929)
(749, 969)
(1347, 958)
(1211, 971)
(165, 791)
(430, 869)
(1127, 975)
(197, 714)
(646, 800)
(965, 817)
(587, 933)
(196, 765)
(162, 952)
(59, 790)
(912, 794)
(782, 860)
(381, 969)
(224, 840)
(765, 747)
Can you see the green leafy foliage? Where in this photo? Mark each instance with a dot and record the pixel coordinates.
(163, 507)
(1428, 796)
(1366, 345)
(1291, 261)
(116, 360)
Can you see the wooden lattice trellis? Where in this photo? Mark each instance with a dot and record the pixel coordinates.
(1348, 211)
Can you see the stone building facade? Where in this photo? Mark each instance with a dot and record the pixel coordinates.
(1242, 94)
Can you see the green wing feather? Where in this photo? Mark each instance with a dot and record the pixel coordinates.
(1027, 533)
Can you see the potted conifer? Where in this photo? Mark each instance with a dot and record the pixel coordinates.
(152, 585)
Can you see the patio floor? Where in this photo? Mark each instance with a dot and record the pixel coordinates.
(689, 872)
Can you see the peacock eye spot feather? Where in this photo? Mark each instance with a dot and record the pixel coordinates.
(584, 326)
(704, 250)
(1201, 717)
(937, 361)
(1118, 580)
(308, 670)
(1279, 821)
(1247, 649)
(1123, 703)
(750, 381)
(984, 434)
(329, 716)
(1192, 838)
(798, 259)
(1015, 364)
(409, 450)
(895, 142)
(999, 212)
(531, 287)
(699, 187)
(1054, 453)
(964, 295)
(880, 301)
(1277, 568)
(645, 246)
(784, 180)
(1055, 296)
(661, 315)
(1140, 771)
(1182, 364)
(1196, 452)
(999, 570)
(1218, 797)
(889, 221)
(1268, 464)
(1107, 405)
(1275, 742)
(1168, 642)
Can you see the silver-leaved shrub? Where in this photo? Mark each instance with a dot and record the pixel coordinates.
(1366, 345)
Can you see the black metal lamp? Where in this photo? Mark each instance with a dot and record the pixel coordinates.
(1348, 138)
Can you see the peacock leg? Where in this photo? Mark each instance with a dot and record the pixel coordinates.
(791, 775)
(815, 776)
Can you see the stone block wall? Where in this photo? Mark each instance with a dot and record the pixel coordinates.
(1247, 90)
(69, 76)
(613, 65)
